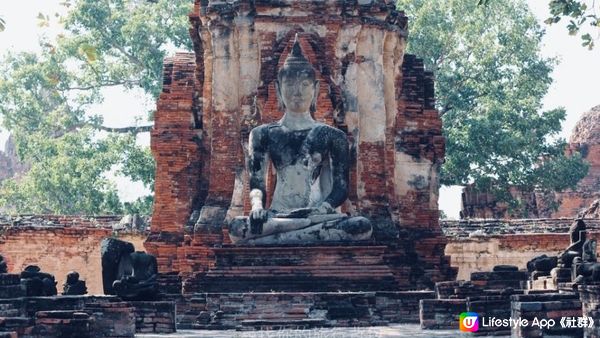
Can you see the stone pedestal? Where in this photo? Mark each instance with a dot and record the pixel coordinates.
(62, 324)
(441, 314)
(561, 275)
(112, 320)
(296, 269)
(590, 300)
(10, 286)
(154, 317)
(457, 289)
(547, 306)
(500, 279)
(542, 283)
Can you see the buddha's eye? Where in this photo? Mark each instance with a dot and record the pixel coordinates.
(306, 83)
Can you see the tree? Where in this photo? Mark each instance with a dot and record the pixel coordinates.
(491, 79)
(578, 13)
(45, 100)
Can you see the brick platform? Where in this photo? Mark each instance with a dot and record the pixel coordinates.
(67, 316)
(292, 310)
(10, 286)
(590, 300)
(62, 324)
(154, 317)
(545, 306)
(297, 268)
(440, 314)
(112, 320)
(500, 279)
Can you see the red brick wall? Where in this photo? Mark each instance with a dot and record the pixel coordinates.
(71, 243)
(482, 254)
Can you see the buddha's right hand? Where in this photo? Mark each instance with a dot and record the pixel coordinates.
(257, 218)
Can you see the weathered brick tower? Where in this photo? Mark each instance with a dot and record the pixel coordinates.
(369, 88)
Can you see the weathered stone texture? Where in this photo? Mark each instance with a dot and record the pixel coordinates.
(382, 99)
(60, 244)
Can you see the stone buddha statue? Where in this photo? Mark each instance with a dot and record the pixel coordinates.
(311, 160)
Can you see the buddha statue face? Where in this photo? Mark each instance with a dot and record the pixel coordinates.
(297, 91)
(296, 84)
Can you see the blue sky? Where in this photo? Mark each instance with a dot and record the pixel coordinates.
(575, 84)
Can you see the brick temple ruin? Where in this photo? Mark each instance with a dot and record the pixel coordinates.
(416, 269)
(382, 98)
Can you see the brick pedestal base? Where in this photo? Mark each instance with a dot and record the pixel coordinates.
(62, 324)
(545, 306)
(154, 317)
(296, 269)
(590, 300)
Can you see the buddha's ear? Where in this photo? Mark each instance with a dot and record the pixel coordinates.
(281, 104)
(313, 104)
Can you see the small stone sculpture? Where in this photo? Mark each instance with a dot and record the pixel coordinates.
(38, 283)
(126, 273)
(73, 286)
(587, 268)
(311, 160)
(542, 263)
(541, 266)
(3, 267)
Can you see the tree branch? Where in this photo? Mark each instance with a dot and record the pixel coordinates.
(124, 130)
(107, 84)
(120, 130)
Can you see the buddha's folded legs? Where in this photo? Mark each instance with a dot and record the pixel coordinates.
(342, 229)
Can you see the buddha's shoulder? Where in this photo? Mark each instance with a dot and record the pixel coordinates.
(325, 129)
(264, 129)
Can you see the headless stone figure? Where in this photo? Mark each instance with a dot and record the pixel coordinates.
(587, 268)
(311, 161)
(577, 233)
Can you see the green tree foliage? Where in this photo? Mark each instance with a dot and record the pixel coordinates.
(45, 100)
(579, 14)
(491, 80)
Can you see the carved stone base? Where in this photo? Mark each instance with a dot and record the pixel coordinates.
(296, 268)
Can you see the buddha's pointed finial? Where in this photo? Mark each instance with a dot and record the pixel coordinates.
(296, 57)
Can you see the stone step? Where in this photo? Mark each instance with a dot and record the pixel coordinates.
(284, 323)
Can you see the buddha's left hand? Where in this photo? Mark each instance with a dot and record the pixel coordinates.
(324, 208)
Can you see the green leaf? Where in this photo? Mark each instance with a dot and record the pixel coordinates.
(89, 51)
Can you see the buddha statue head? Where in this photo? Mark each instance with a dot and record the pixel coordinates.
(297, 85)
